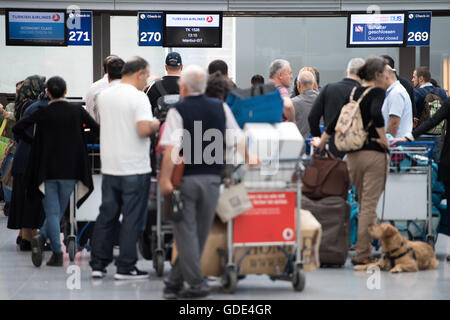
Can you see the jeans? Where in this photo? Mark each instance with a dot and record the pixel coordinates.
(57, 196)
(7, 192)
(127, 195)
(437, 144)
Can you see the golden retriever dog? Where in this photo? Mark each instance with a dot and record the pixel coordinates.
(400, 254)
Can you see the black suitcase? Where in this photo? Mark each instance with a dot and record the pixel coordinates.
(333, 213)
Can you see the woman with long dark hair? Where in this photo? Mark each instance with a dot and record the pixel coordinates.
(367, 166)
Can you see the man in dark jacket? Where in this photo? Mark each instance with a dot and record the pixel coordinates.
(331, 99)
(422, 87)
(444, 164)
(58, 161)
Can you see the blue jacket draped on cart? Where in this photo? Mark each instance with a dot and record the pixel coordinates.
(58, 149)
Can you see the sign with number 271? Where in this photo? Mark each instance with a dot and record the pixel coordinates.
(81, 35)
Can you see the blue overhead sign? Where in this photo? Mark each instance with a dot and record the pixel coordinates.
(150, 28)
(386, 29)
(419, 27)
(80, 31)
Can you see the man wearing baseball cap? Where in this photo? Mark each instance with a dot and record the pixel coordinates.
(168, 85)
(174, 65)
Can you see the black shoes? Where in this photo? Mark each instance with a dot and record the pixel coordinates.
(56, 260)
(177, 292)
(171, 292)
(6, 209)
(25, 245)
(193, 293)
(134, 274)
(37, 248)
(98, 274)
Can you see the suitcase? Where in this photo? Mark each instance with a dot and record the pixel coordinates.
(333, 213)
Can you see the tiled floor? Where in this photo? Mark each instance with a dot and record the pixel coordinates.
(19, 279)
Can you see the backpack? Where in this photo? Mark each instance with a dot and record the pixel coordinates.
(432, 103)
(165, 102)
(350, 132)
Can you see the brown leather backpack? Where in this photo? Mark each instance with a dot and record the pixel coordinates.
(326, 176)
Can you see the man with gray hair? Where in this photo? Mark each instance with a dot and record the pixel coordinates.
(304, 101)
(331, 100)
(197, 124)
(280, 74)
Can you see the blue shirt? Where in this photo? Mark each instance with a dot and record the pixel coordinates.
(421, 93)
(397, 103)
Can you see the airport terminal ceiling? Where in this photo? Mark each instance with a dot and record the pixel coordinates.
(235, 5)
(314, 34)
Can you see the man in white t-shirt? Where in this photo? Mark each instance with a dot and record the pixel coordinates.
(397, 108)
(97, 87)
(126, 122)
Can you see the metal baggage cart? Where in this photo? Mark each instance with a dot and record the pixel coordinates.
(156, 242)
(159, 233)
(89, 210)
(409, 188)
(275, 182)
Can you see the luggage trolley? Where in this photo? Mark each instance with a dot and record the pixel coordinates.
(89, 211)
(156, 242)
(284, 190)
(409, 188)
(160, 231)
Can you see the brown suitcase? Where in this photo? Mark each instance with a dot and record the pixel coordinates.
(333, 213)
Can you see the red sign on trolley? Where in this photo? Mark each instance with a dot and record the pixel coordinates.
(272, 219)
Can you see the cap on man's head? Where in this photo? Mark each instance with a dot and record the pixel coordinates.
(173, 59)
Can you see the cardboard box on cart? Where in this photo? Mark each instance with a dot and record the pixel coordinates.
(211, 261)
(268, 260)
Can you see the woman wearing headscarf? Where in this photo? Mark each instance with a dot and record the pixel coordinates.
(7, 116)
(25, 215)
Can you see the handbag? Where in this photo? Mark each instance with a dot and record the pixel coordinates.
(177, 175)
(233, 201)
(262, 103)
(4, 141)
(172, 205)
(7, 179)
(326, 176)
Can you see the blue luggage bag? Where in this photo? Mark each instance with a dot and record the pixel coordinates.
(262, 103)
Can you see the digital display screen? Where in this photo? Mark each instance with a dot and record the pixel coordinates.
(376, 30)
(38, 28)
(193, 29)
